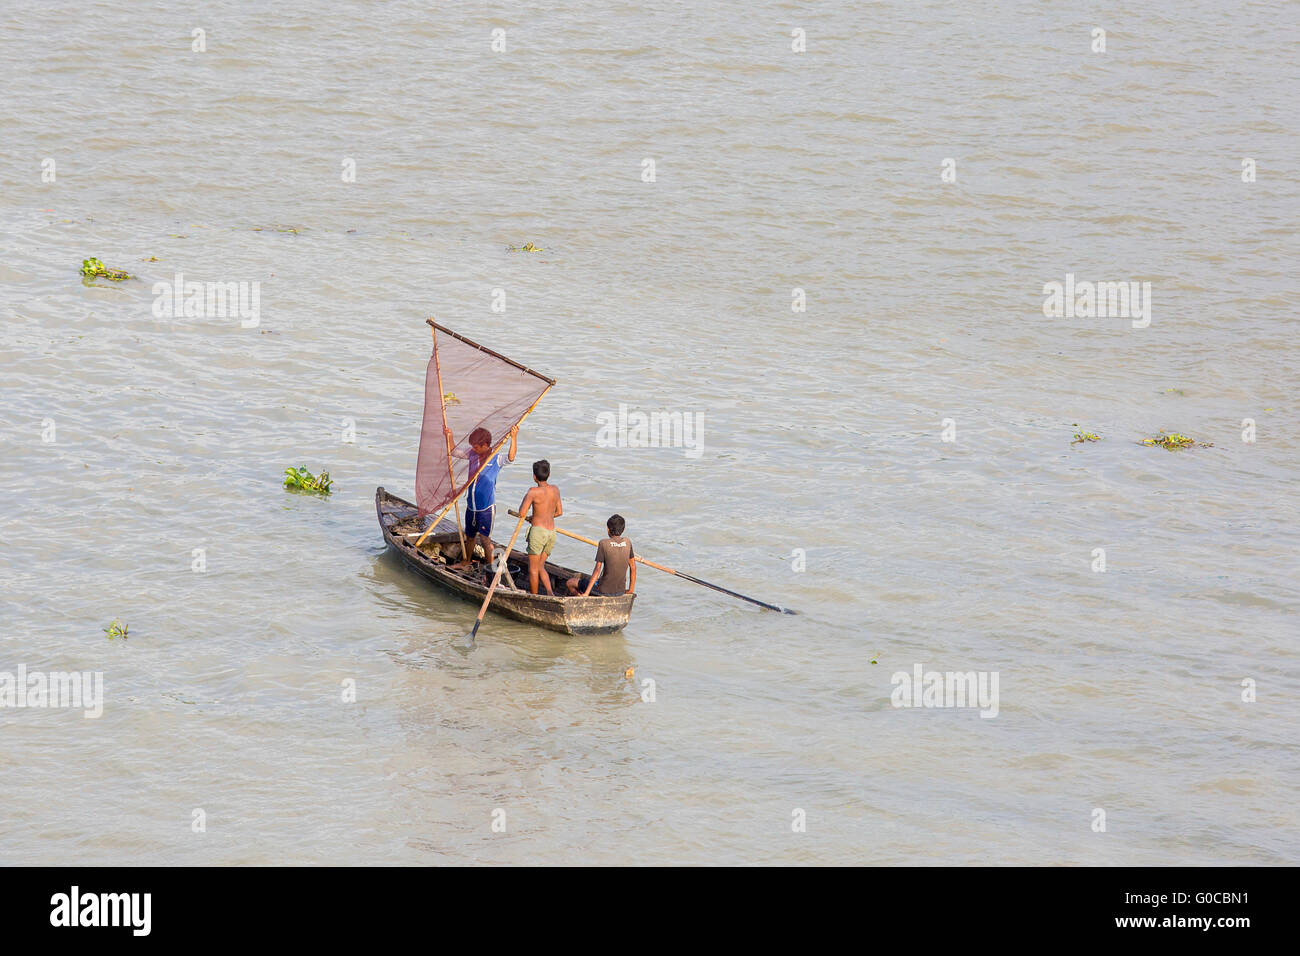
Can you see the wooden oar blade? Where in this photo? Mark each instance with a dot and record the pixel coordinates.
(735, 594)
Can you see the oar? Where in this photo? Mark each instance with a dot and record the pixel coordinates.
(496, 579)
(680, 574)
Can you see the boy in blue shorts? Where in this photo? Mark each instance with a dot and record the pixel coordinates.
(481, 499)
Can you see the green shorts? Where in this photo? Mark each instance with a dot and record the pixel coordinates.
(541, 541)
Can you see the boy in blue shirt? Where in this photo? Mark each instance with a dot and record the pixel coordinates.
(481, 499)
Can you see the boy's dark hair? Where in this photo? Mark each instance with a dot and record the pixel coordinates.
(480, 436)
(615, 524)
(541, 469)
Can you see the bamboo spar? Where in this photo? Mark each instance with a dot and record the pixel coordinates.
(492, 454)
(451, 474)
(496, 579)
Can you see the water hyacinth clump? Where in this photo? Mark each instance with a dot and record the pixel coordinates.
(300, 479)
(116, 630)
(1085, 436)
(1174, 440)
(92, 268)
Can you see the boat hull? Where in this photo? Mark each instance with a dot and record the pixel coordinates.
(568, 615)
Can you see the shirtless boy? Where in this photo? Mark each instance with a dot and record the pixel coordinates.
(545, 502)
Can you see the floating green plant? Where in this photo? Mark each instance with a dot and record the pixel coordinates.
(1085, 436)
(91, 268)
(278, 228)
(115, 630)
(450, 399)
(1174, 440)
(527, 247)
(300, 479)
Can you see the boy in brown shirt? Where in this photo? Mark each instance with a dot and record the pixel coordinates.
(614, 563)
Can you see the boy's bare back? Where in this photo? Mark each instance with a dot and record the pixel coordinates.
(545, 501)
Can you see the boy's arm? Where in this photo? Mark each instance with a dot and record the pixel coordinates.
(591, 581)
(451, 444)
(514, 443)
(524, 505)
(631, 565)
(559, 505)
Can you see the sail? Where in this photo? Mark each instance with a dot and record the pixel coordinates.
(480, 389)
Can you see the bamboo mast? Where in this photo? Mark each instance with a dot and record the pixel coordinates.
(451, 474)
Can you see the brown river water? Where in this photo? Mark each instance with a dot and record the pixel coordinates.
(370, 165)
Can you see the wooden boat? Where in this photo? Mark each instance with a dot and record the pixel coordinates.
(400, 523)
